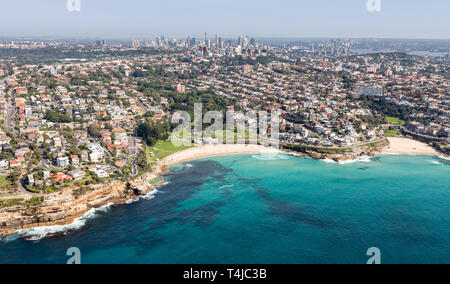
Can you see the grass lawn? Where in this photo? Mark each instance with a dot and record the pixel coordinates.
(164, 149)
(81, 181)
(34, 201)
(394, 120)
(4, 182)
(391, 133)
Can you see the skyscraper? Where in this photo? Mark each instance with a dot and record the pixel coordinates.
(134, 43)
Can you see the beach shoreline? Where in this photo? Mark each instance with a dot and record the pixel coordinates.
(208, 151)
(61, 209)
(205, 151)
(120, 194)
(406, 146)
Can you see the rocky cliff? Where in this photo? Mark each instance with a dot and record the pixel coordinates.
(63, 207)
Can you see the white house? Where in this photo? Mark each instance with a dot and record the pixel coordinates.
(63, 162)
(4, 165)
(96, 156)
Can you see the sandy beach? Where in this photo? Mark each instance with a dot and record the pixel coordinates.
(214, 150)
(205, 152)
(408, 146)
(397, 146)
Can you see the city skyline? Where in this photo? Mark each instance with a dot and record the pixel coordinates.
(262, 19)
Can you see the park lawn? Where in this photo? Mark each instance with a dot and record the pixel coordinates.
(222, 136)
(81, 181)
(4, 182)
(394, 120)
(391, 133)
(164, 149)
(34, 201)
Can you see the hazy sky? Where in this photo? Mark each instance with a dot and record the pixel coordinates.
(259, 18)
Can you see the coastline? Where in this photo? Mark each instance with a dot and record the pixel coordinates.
(214, 151)
(406, 146)
(61, 209)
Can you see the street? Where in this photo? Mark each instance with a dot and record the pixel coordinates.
(9, 126)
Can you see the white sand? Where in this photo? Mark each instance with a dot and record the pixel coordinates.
(408, 146)
(397, 146)
(214, 150)
(204, 152)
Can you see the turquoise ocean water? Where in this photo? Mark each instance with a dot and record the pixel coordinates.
(270, 209)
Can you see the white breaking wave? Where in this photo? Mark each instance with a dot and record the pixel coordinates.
(270, 157)
(189, 165)
(11, 238)
(435, 162)
(364, 159)
(294, 154)
(164, 184)
(150, 195)
(226, 186)
(38, 233)
(131, 201)
(444, 158)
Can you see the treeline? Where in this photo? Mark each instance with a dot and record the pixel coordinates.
(387, 108)
(94, 130)
(51, 54)
(56, 117)
(372, 120)
(149, 71)
(297, 117)
(185, 102)
(151, 132)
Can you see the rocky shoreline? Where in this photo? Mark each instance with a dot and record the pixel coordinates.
(342, 155)
(64, 207)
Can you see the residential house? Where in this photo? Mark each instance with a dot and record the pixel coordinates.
(75, 160)
(62, 162)
(77, 174)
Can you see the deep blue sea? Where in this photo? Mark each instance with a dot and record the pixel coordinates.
(249, 209)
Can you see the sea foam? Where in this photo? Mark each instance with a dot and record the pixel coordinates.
(444, 158)
(38, 233)
(270, 156)
(329, 161)
(148, 196)
(364, 159)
